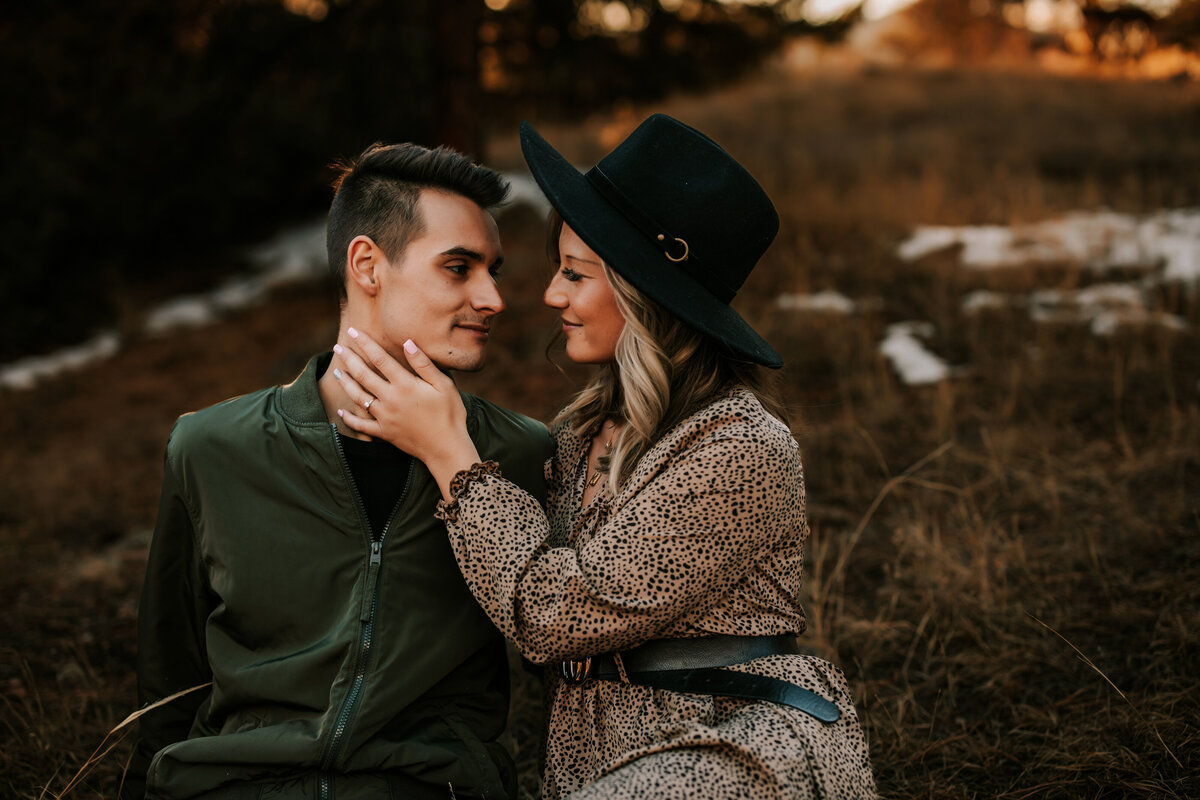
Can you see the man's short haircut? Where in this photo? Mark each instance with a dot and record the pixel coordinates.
(376, 195)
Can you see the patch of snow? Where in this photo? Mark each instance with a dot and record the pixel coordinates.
(914, 363)
(27, 372)
(1105, 307)
(995, 246)
(1167, 241)
(1177, 235)
(1085, 305)
(1110, 294)
(1107, 321)
(927, 239)
(191, 311)
(825, 301)
(239, 294)
(294, 254)
(982, 298)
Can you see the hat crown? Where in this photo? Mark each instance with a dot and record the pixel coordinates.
(685, 184)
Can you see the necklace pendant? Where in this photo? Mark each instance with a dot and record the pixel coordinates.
(592, 480)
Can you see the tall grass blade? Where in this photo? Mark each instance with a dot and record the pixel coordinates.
(1116, 688)
(101, 750)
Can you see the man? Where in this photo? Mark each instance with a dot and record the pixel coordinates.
(300, 570)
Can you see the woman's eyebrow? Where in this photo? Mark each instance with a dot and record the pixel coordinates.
(582, 260)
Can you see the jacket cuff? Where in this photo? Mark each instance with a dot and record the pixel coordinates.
(447, 510)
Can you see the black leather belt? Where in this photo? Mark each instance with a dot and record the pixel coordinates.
(691, 665)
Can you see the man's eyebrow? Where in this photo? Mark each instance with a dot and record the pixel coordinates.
(471, 255)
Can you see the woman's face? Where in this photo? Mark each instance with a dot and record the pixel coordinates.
(591, 320)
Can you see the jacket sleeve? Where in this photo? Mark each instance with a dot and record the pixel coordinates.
(171, 653)
(672, 550)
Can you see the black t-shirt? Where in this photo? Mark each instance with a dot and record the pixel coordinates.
(380, 473)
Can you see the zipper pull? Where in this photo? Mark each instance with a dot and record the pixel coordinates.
(368, 598)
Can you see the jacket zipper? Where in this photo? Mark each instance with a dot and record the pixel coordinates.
(366, 616)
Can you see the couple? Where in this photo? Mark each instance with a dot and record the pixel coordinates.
(336, 555)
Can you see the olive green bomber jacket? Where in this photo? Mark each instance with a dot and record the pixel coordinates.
(333, 659)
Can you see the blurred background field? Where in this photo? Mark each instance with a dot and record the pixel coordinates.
(985, 289)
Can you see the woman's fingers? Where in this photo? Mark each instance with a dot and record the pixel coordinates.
(360, 425)
(390, 368)
(357, 394)
(426, 369)
(359, 376)
(380, 360)
(374, 380)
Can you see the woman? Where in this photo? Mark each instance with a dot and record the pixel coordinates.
(660, 584)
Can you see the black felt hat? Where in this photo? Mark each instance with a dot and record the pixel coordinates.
(673, 214)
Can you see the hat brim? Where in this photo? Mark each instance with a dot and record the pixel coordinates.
(626, 250)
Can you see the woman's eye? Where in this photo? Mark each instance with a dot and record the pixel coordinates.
(570, 274)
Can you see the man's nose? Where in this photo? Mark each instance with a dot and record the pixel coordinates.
(486, 296)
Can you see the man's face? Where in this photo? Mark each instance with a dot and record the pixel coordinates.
(441, 293)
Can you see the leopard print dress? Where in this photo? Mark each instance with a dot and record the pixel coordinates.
(705, 538)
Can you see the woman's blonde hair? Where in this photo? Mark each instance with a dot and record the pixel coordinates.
(663, 370)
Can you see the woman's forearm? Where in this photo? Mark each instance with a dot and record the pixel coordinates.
(459, 454)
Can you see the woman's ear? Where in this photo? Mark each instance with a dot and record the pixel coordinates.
(364, 259)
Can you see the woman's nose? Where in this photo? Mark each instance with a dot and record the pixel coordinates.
(554, 296)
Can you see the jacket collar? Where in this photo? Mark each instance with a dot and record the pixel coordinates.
(300, 400)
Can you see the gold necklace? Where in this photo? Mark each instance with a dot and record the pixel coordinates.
(607, 451)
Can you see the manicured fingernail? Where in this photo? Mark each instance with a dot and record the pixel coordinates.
(409, 347)
(337, 373)
(337, 348)
(352, 333)
(341, 413)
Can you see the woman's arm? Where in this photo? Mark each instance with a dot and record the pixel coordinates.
(678, 546)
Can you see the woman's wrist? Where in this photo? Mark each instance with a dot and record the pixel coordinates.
(447, 508)
(461, 454)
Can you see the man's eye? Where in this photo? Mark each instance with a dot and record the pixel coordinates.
(458, 269)
(494, 272)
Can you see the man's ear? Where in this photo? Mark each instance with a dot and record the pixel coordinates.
(364, 259)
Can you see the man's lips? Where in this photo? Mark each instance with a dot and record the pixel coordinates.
(476, 327)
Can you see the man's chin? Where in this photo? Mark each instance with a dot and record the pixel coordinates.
(474, 366)
(461, 362)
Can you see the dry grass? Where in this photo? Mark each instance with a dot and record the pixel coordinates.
(1005, 564)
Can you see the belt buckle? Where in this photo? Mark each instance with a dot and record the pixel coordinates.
(576, 671)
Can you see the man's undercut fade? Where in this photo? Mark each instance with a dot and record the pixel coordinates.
(376, 195)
